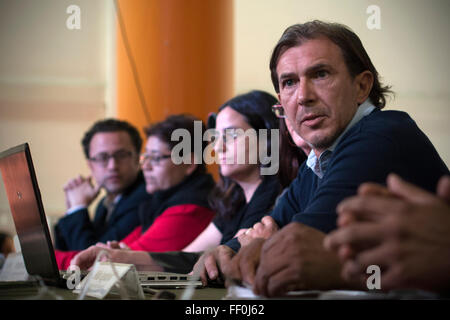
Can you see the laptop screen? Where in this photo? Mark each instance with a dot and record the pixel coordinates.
(24, 198)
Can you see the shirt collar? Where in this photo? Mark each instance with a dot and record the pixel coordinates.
(319, 166)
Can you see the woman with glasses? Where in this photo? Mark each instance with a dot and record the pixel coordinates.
(178, 210)
(242, 196)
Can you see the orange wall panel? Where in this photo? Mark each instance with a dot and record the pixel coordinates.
(183, 50)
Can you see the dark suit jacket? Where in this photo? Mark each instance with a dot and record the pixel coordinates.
(77, 232)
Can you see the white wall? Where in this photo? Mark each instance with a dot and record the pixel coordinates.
(54, 82)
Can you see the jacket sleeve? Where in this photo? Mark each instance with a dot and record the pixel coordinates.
(63, 258)
(76, 230)
(79, 232)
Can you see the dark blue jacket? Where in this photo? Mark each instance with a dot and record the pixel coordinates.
(380, 143)
(77, 232)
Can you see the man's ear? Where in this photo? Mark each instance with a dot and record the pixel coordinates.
(364, 84)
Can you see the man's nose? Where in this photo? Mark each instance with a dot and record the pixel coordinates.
(112, 163)
(305, 93)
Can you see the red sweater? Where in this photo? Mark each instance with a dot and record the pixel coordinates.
(173, 230)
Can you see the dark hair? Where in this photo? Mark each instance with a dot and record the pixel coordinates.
(3, 237)
(112, 125)
(163, 130)
(292, 157)
(355, 56)
(256, 107)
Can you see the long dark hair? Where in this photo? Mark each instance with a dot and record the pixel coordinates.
(256, 107)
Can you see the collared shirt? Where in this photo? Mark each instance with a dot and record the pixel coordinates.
(110, 205)
(319, 166)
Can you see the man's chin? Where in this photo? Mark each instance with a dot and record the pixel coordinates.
(320, 139)
(114, 188)
(150, 190)
(321, 144)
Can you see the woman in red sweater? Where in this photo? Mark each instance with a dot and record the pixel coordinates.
(178, 210)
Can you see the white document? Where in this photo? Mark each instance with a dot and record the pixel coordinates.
(102, 280)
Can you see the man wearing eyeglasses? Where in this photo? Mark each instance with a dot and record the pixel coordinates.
(112, 151)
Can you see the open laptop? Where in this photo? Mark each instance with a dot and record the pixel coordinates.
(19, 178)
(24, 198)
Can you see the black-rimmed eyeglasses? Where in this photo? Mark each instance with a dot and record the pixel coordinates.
(154, 159)
(278, 110)
(103, 157)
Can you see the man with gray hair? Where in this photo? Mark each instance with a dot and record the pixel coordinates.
(330, 93)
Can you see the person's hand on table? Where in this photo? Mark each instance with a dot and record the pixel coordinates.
(263, 229)
(210, 264)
